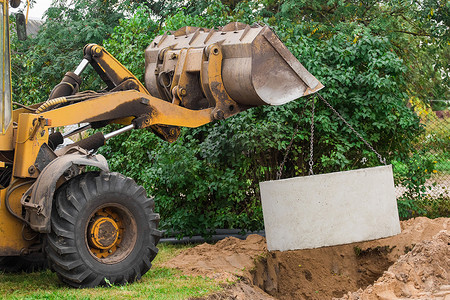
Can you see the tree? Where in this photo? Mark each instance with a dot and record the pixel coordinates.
(39, 63)
(209, 178)
(365, 53)
(417, 30)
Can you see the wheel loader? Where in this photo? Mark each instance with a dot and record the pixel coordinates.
(100, 226)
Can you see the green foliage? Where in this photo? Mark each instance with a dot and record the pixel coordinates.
(40, 63)
(428, 165)
(209, 178)
(417, 30)
(437, 135)
(365, 53)
(412, 176)
(434, 17)
(364, 83)
(434, 207)
(130, 38)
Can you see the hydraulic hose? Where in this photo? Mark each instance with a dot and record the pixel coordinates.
(220, 234)
(49, 104)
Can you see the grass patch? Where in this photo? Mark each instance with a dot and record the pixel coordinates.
(158, 283)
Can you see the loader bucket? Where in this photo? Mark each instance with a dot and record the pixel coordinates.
(257, 68)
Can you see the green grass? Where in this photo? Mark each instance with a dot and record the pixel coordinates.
(158, 283)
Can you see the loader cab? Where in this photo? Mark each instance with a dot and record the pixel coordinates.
(5, 70)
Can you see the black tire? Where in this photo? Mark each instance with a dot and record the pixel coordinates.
(26, 263)
(75, 246)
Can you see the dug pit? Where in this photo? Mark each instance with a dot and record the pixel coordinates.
(402, 265)
(320, 273)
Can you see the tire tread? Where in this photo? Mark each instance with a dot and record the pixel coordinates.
(70, 200)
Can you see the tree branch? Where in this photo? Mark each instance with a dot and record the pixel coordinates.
(412, 33)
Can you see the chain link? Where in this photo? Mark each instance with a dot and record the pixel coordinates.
(311, 139)
(311, 142)
(280, 168)
(382, 160)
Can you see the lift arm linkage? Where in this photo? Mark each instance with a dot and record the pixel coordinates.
(141, 109)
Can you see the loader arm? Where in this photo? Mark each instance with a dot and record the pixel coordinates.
(112, 72)
(116, 77)
(143, 109)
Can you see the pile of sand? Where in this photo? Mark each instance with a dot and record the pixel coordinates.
(328, 272)
(423, 273)
(226, 261)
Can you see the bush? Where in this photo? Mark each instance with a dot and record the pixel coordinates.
(210, 177)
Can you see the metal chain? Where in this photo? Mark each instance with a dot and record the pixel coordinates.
(280, 168)
(382, 160)
(311, 145)
(311, 139)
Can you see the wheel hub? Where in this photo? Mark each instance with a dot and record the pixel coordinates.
(103, 233)
(109, 232)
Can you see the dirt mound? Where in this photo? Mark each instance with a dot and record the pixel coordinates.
(226, 261)
(321, 273)
(242, 290)
(329, 272)
(413, 232)
(423, 273)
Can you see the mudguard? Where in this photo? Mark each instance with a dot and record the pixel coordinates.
(38, 199)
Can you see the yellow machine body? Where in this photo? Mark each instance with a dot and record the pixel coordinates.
(193, 76)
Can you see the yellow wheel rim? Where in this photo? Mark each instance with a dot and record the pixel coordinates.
(104, 232)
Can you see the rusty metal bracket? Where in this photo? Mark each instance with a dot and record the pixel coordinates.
(38, 124)
(126, 85)
(225, 106)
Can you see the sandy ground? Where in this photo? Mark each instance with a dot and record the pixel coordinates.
(422, 273)
(414, 264)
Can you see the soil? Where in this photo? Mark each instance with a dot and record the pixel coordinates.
(423, 273)
(414, 264)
